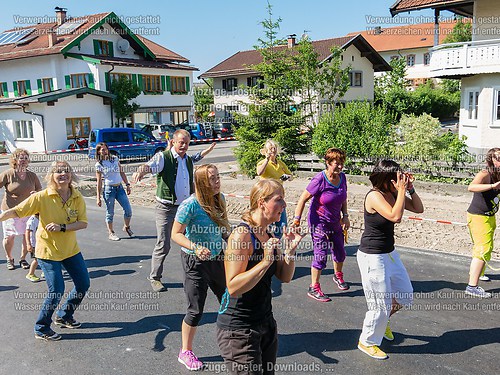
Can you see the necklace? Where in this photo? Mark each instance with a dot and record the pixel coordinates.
(64, 204)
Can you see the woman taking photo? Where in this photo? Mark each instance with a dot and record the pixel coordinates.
(19, 183)
(481, 220)
(386, 283)
(62, 212)
(246, 330)
(108, 167)
(200, 227)
(327, 219)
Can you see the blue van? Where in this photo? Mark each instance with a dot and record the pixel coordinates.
(144, 145)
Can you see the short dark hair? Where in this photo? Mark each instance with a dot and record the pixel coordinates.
(384, 171)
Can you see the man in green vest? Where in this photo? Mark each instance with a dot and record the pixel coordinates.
(174, 178)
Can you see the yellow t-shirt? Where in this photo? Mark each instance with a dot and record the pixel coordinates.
(274, 170)
(48, 203)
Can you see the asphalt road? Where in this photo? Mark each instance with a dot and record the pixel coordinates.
(127, 329)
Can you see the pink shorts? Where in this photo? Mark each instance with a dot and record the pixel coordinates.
(14, 227)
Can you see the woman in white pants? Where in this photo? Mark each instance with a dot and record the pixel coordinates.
(386, 283)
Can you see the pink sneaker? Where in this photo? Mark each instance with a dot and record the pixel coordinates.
(188, 359)
(338, 278)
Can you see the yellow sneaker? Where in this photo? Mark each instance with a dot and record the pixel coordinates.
(373, 351)
(388, 335)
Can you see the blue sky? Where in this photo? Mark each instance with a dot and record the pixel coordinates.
(209, 31)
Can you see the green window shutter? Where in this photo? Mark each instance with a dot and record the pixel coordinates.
(96, 47)
(169, 85)
(139, 80)
(16, 91)
(4, 89)
(162, 78)
(28, 87)
(90, 78)
(187, 85)
(67, 80)
(39, 84)
(134, 79)
(107, 81)
(52, 84)
(111, 51)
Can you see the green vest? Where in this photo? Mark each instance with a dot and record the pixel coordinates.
(165, 180)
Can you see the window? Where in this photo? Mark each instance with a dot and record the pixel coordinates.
(254, 81)
(395, 57)
(4, 93)
(103, 48)
(77, 127)
(229, 84)
(45, 85)
(178, 84)
(139, 137)
(496, 111)
(427, 58)
(410, 60)
(22, 88)
(116, 76)
(151, 83)
(178, 117)
(472, 104)
(24, 129)
(79, 80)
(154, 117)
(356, 79)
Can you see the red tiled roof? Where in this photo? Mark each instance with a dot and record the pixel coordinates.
(406, 37)
(409, 5)
(37, 42)
(242, 62)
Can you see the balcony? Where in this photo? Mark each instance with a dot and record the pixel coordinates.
(456, 60)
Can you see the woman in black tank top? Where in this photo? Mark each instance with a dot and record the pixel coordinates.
(481, 220)
(246, 330)
(386, 284)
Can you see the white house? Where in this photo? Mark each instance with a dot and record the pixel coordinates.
(55, 80)
(411, 42)
(233, 76)
(475, 63)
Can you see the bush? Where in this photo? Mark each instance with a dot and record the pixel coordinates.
(359, 128)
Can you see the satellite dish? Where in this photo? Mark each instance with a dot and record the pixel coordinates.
(123, 45)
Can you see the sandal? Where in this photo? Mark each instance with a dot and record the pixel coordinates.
(25, 265)
(128, 231)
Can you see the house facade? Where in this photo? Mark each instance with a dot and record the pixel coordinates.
(233, 77)
(413, 43)
(55, 80)
(475, 63)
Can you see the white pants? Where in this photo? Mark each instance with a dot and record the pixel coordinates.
(384, 277)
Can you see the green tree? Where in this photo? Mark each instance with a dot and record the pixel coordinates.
(420, 136)
(203, 100)
(125, 90)
(462, 31)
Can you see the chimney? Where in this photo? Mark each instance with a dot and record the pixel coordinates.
(378, 30)
(52, 37)
(60, 15)
(291, 40)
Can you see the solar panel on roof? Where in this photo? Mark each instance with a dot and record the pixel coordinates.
(70, 26)
(9, 37)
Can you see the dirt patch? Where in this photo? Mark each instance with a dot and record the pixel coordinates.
(442, 202)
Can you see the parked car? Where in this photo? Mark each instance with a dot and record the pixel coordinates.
(145, 145)
(199, 130)
(223, 129)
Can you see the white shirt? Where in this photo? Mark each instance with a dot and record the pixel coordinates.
(110, 169)
(156, 165)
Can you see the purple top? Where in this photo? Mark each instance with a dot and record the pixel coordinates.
(326, 203)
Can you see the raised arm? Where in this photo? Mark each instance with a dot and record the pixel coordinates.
(481, 183)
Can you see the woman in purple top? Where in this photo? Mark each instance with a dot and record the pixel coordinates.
(328, 190)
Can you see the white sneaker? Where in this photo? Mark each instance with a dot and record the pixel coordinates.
(484, 278)
(113, 237)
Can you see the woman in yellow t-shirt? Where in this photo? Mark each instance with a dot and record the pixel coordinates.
(272, 167)
(62, 212)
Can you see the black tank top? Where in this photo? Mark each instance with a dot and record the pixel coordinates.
(378, 236)
(254, 306)
(485, 203)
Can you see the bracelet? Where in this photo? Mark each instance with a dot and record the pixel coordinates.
(345, 214)
(411, 191)
(127, 184)
(298, 217)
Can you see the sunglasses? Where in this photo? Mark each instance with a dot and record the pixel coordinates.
(496, 157)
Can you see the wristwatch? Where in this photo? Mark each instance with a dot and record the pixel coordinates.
(63, 227)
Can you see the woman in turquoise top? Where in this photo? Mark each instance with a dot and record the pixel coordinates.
(200, 228)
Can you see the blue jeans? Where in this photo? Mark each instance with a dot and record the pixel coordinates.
(112, 193)
(52, 269)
